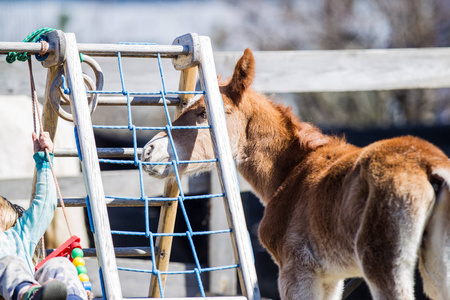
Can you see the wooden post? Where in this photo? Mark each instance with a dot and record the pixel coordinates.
(188, 79)
(91, 171)
(228, 175)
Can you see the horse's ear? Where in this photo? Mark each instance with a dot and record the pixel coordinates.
(242, 78)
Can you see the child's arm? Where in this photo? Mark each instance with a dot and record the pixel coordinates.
(35, 220)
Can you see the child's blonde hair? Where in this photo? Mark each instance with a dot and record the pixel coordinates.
(9, 213)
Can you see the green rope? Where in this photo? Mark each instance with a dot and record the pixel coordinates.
(32, 38)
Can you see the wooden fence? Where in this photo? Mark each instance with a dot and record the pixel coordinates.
(292, 71)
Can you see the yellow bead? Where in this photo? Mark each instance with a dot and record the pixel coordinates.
(83, 277)
(78, 261)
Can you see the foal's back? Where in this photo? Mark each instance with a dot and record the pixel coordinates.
(363, 212)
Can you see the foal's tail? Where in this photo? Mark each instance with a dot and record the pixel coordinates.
(434, 263)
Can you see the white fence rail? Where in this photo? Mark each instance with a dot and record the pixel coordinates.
(296, 71)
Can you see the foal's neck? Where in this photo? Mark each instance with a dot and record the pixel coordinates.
(276, 142)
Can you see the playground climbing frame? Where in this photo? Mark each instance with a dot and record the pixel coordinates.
(191, 54)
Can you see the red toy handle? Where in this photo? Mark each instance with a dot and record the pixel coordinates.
(64, 250)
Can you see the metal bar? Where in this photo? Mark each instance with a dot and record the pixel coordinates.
(135, 101)
(6, 47)
(91, 170)
(191, 298)
(133, 50)
(126, 50)
(101, 152)
(112, 202)
(119, 251)
(138, 101)
(228, 174)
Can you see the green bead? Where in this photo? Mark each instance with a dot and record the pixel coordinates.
(77, 252)
(81, 270)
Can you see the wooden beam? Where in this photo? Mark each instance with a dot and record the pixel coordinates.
(344, 70)
(91, 170)
(228, 174)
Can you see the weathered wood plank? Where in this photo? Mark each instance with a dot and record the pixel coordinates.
(285, 71)
(344, 70)
(227, 170)
(91, 170)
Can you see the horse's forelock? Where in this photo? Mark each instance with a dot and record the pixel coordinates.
(194, 100)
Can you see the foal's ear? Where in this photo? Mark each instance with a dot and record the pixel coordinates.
(242, 78)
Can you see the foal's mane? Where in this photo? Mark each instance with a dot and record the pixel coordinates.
(309, 136)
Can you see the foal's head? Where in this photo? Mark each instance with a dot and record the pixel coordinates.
(196, 144)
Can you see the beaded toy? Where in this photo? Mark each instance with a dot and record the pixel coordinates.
(72, 250)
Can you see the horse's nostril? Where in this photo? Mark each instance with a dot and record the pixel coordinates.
(147, 150)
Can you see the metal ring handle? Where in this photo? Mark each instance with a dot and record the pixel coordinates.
(57, 96)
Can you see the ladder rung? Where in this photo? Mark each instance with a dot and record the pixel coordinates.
(136, 50)
(171, 100)
(119, 251)
(194, 298)
(111, 202)
(107, 50)
(101, 152)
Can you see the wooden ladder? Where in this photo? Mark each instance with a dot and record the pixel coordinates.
(189, 53)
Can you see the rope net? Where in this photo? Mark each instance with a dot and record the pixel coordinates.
(189, 235)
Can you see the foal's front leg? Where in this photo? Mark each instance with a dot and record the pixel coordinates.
(297, 283)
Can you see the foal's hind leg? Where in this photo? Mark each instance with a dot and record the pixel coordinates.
(387, 244)
(434, 261)
(295, 284)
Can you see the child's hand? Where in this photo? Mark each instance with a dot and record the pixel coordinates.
(44, 142)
